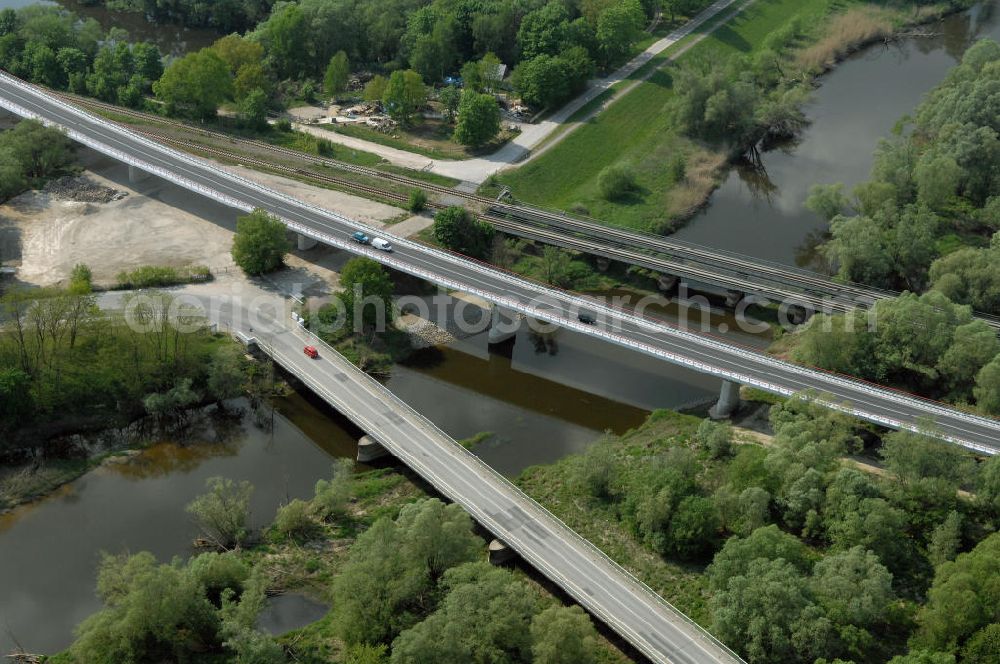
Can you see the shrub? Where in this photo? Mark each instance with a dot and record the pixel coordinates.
(293, 519)
(616, 182)
(418, 201)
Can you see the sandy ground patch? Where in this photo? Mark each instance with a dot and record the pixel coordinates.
(158, 223)
(362, 209)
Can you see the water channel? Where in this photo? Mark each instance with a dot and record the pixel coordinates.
(542, 399)
(761, 212)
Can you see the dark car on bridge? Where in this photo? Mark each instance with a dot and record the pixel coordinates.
(361, 238)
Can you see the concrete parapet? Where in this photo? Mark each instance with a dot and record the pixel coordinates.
(499, 552)
(370, 449)
(729, 401)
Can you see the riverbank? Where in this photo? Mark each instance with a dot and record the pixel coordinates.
(639, 130)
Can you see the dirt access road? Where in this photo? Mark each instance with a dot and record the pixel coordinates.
(475, 170)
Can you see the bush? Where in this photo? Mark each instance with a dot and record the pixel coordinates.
(293, 519)
(261, 243)
(160, 276)
(284, 124)
(716, 437)
(418, 201)
(223, 514)
(616, 182)
(460, 231)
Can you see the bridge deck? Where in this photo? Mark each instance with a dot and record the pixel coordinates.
(622, 602)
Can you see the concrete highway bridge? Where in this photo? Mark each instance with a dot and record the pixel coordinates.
(730, 362)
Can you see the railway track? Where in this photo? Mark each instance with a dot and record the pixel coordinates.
(742, 274)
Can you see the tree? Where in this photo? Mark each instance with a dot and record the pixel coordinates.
(961, 601)
(417, 201)
(293, 520)
(946, 539)
(616, 182)
(594, 471)
(563, 635)
(223, 514)
(988, 486)
(716, 437)
(914, 456)
(151, 612)
(769, 543)
(227, 373)
(973, 346)
(618, 26)
(260, 243)
(81, 280)
(16, 401)
(983, 647)
(338, 73)
(693, 528)
(238, 52)
(148, 62)
(923, 657)
(404, 94)
(253, 109)
(197, 82)
(543, 31)
(367, 293)
(485, 616)
(987, 389)
(768, 614)
(478, 119)
(450, 97)
(853, 587)
(375, 89)
(249, 78)
(392, 565)
(827, 200)
(331, 496)
(458, 230)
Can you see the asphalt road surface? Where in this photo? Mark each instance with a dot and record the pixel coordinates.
(724, 359)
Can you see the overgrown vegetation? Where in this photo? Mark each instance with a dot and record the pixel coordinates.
(681, 123)
(933, 202)
(260, 243)
(787, 552)
(160, 276)
(64, 364)
(30, 153)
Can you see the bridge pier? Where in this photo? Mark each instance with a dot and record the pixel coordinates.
(602, 263)
(499, 552)
(502, 326)
(136, 174)
(733, 297)
(305, 242)
(667, 282)
(728, 403)
(370, 449)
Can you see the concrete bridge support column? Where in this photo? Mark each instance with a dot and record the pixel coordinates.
(667, 282)
(729, 401)
(603, 263)
(136, 174)
(733, 297)
(502, 326)
(370, 449)
(305, 242)
(500, 553)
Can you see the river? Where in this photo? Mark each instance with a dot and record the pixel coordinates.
(542, 399)
(761, 212)
(171, 39)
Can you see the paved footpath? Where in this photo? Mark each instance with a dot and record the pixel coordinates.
(477, 169)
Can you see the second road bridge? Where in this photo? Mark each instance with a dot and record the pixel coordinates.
(696, 351)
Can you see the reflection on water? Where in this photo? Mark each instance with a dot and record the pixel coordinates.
(171, 39)
(50, 550)
(761, 212)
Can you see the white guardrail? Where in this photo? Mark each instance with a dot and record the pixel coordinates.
(514, 304)
(487, 520)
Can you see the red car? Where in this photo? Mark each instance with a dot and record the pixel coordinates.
(311, 351)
